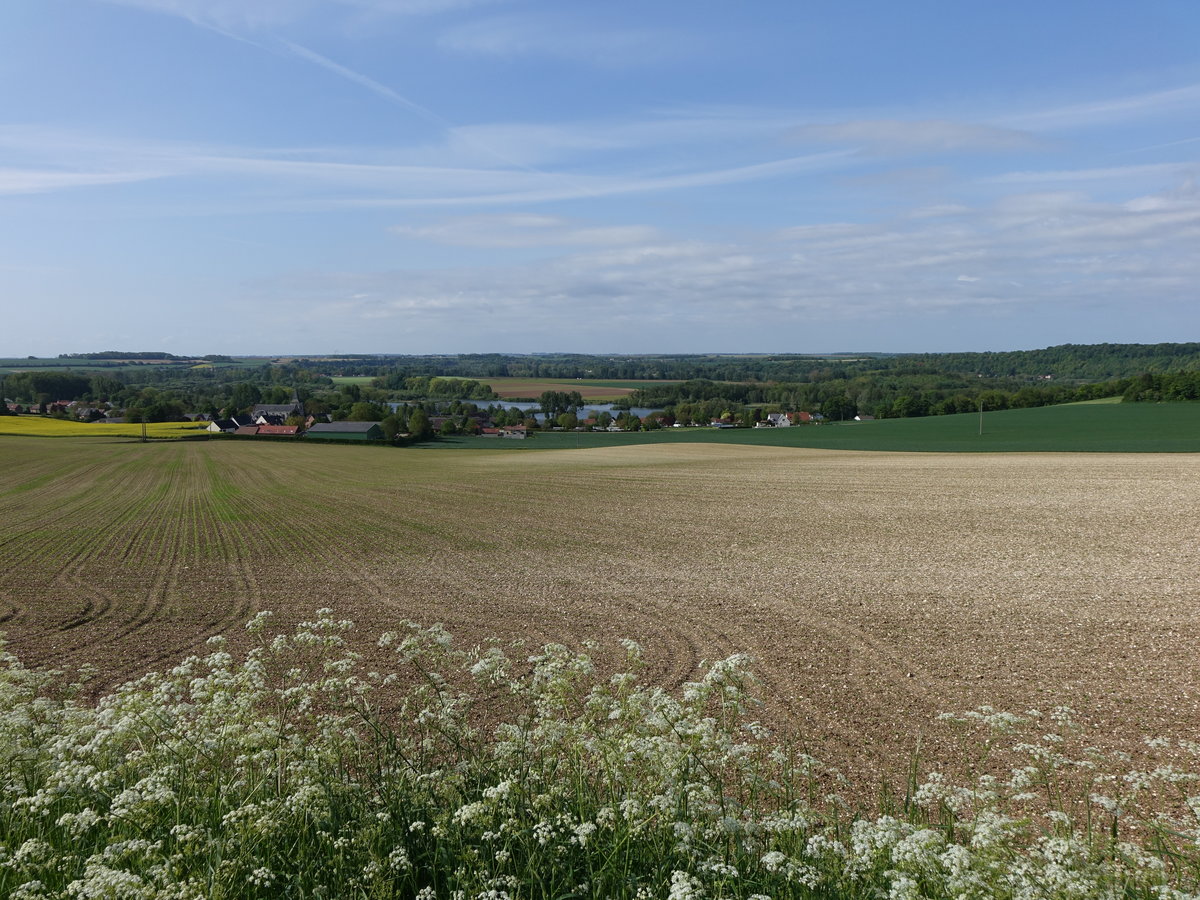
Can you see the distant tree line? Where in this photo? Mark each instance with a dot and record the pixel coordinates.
(1159, 388)
(838, 399)
(1065, 362)
(704, 388)
(425, 386)
(121, 354)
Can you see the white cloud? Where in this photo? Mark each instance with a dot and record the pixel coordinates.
(375, 87)
(1112, 173)
(1077, 254)
(696, 130)
(546, 188)
(926, 136)
(1112, 110)
(530, 144)
(415, 7)
(228, 14)
(525, 230)
(566, 37)
(239, 15)
(31, 181)
(329, 178)
(939, 211)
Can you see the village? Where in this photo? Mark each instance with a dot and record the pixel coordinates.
(290, 420)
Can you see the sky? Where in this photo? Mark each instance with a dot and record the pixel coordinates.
(522, 176)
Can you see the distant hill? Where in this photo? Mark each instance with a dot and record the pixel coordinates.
(1083, 362)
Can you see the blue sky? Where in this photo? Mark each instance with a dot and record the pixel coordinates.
(460, 176)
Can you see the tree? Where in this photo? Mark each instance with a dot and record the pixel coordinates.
(993, 400)
(568, 421)
(555, 402)
(839, 408)
(418, 424)
(627, 421)
(366, 412)
(244, 396)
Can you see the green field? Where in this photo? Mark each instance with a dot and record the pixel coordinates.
(1075, 427)
(360, 380)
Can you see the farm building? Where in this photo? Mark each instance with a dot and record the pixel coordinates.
(280, 411)
(229, 426)
(346, 431)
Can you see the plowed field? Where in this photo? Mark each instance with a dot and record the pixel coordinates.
(876, 590)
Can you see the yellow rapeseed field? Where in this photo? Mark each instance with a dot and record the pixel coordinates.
(47, 427)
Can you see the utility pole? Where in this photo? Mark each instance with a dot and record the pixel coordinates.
(981, 415)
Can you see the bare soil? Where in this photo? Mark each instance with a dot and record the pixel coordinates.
(875, 590)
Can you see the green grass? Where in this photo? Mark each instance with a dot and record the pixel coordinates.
(360, 380)
(1076, 427)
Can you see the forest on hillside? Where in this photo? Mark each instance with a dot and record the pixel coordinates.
(1066, 362)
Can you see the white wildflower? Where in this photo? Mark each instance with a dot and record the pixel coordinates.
(262, 877)
(498, 791)
(903, 888)
(471, 812)
(684, 887)
(774, 861)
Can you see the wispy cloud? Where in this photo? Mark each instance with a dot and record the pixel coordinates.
(570, 37)
(375, 87)
(1164, 146)
(253, 15)
(34, 181)
(1111, 173)
(228, 14)
(1064, 252)
(916, 136)
(1111, 110)
(526, 230)
(562, 188)
(327, 178)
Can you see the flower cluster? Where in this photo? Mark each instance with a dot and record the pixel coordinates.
(489, 773)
